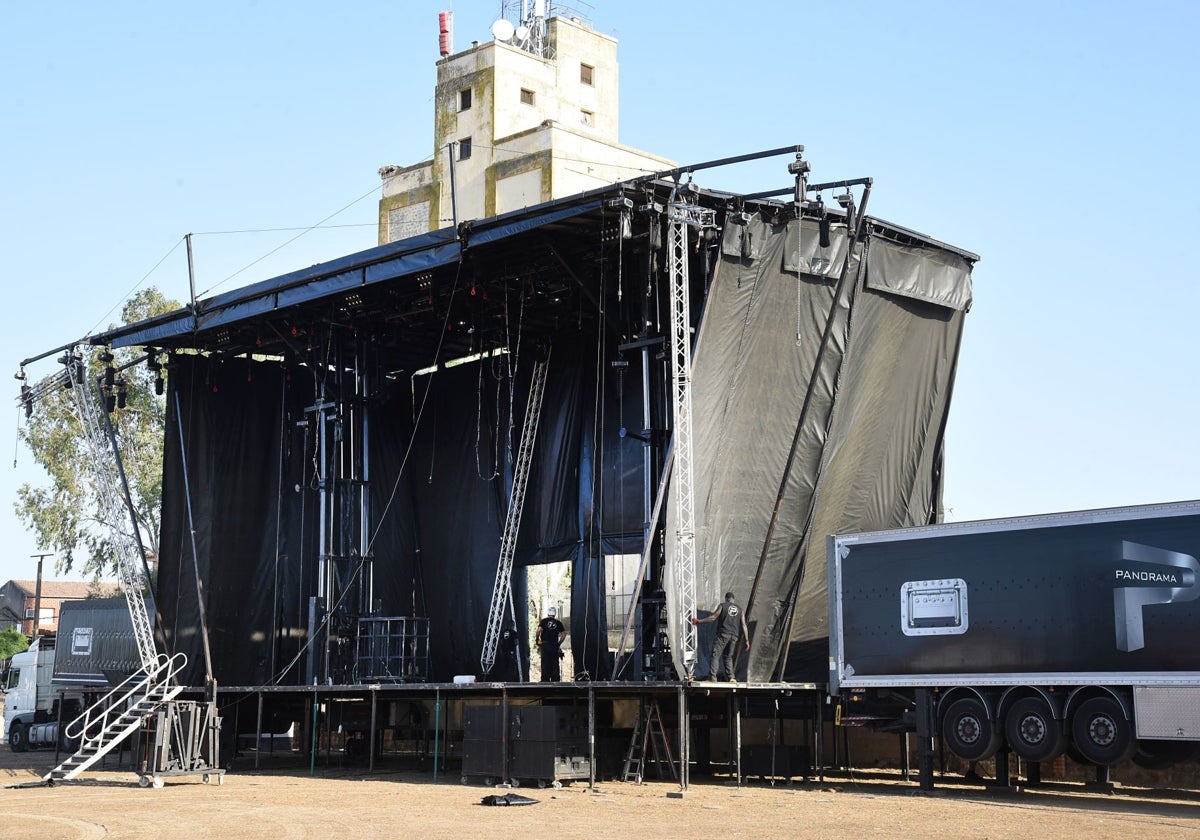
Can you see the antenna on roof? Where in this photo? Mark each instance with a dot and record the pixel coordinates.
(527, 19)
(503, 30)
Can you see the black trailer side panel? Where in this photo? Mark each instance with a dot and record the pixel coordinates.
(1082, 594)
(95, 642)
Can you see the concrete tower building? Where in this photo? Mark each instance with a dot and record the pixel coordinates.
(522, 119)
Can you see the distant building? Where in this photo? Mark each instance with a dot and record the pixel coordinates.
(521, 124)
(18, 597)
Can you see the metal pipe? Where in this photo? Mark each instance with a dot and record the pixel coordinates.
(737, 739)
(191, 274)
(371, 743)
(364, 451)
(713, 164)
(257, 733)
(209, 680)
(684, 745)
(591, 738)
(437, 728)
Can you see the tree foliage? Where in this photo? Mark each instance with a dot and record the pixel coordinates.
(12, 642)
(65, 513)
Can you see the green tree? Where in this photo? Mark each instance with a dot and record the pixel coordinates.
(12, 642)
(65, 514)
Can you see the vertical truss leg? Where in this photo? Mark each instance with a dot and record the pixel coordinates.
(680, 216)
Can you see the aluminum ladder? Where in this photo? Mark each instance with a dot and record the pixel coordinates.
(649, 738)
(502, 589)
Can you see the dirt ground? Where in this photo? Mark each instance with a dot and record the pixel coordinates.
(288, 802)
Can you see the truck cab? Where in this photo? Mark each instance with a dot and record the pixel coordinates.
(27, 694)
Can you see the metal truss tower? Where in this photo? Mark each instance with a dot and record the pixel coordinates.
(682, 215)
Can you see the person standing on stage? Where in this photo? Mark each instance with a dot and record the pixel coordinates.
(550, 635)
(732, 624)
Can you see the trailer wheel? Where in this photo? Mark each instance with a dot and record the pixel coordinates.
(1032, 730)
(969, 733)
(18, 739)
(1159, 755)
(1101, 732)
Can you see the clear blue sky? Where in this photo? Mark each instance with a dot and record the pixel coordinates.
(1055, 139)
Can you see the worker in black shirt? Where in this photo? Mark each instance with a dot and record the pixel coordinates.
(732, 624)
(550, 635)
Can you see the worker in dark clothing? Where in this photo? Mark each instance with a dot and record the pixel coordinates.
(550, 635)
(731, 624)
(508, 653)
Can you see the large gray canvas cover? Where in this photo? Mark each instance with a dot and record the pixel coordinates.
(868, 450)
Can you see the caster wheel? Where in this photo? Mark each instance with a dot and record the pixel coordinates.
(158, 782)
(557, 785)
(144, 781)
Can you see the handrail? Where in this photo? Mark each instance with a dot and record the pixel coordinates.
(101, 709)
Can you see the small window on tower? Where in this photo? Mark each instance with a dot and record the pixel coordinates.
(464, 148)
(464, 99)
(587, 74)
(527, 97)
(587, 117)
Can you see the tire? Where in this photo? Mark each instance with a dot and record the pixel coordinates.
(18, 738)
(968, 732)
(66, 744)
(1032, 730)
(1101, 732)
(1159, 755)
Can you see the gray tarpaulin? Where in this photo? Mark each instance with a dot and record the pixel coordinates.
(869, 452)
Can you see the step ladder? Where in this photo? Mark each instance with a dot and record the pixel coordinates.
(649, 742)
(117, 715)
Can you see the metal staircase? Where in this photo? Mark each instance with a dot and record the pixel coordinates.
(117, 715)
(152, 690)
(649, 742)
(502, 590)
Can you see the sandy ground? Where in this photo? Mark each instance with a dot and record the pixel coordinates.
(395, 802)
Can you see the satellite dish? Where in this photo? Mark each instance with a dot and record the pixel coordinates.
(522, 33)
(502, 30)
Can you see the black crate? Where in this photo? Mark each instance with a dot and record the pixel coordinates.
(483, 758)
(482, 723)
(558, 724)
(548, 761)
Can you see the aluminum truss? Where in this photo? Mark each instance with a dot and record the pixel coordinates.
(112, 494)
(681, 216)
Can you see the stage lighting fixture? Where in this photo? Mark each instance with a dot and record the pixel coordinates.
(846, 200)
